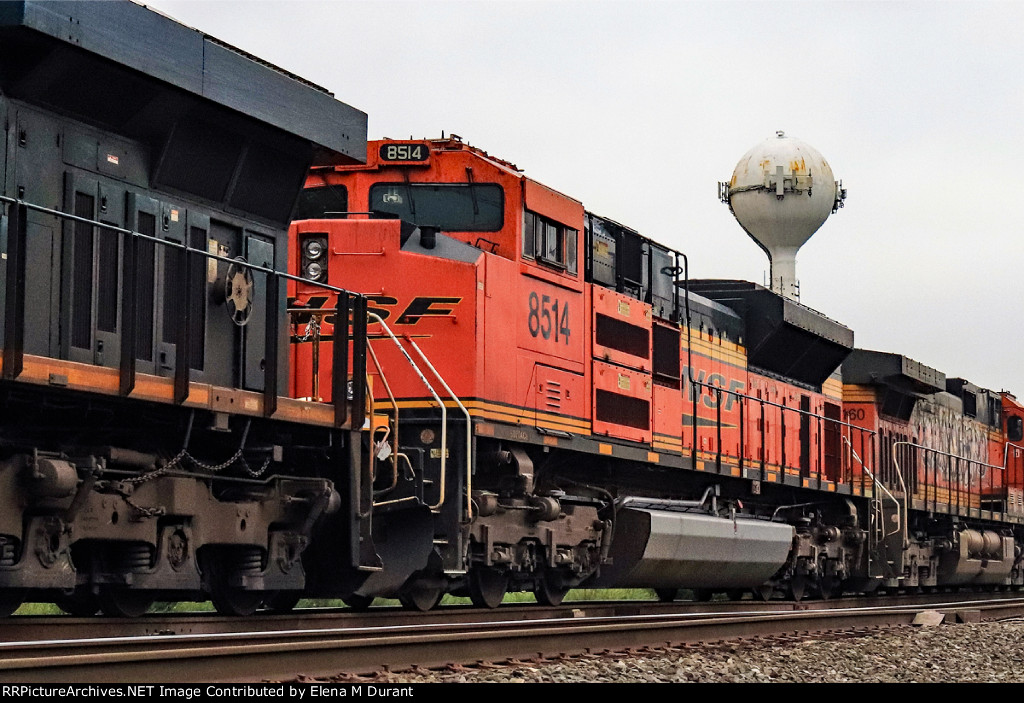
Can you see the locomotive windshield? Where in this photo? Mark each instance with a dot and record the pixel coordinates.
(476, 207)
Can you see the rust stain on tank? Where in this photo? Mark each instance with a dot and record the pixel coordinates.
(798, 165)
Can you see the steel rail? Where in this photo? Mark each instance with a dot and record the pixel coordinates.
(287, 654)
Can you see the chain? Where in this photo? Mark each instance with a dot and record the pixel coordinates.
(312, 329)
(215, 468)
(158, 472)
(178, 460)
(256, 474)
(143, 512)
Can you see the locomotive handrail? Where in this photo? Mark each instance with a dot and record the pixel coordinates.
(788, 408)
(13, 352)
(175, 245)
(1016, 473)
(444, 412)
(939, 452)
(948, 454)
(394, 405)
(719, 391)
(469, 428)
(1006, 452)
(876, 482)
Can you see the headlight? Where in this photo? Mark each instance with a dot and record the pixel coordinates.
(314, 271)
(314, 249)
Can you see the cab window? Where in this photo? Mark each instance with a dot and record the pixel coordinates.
(549, 242)
(1014, 428)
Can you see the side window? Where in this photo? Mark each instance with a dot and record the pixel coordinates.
(529, 238)
(549, 242)
(1014, 428)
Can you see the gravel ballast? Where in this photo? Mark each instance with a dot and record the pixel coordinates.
(946, 653)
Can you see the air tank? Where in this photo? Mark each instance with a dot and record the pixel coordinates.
(781, 192)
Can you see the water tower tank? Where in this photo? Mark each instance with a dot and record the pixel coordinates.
(781, 192)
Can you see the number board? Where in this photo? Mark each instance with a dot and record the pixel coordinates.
(404, 152)
(550, 320)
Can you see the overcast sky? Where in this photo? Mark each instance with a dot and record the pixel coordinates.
(638, 109)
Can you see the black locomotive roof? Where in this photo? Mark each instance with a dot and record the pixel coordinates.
(706, 313)
(866, 366)
(49, 49)
(783, 337)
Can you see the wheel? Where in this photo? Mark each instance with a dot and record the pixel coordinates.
(702, 595)
(830, 587)
(420, 595)
(80, 603)
(282, 601)
(124, 602)
(666, 595)
(764, 592)
(10, 600)
(358, 603)
(228, 600)
(797, 587)
(487, 587)
(550, 589)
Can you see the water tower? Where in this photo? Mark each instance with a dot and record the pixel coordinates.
(781, 192)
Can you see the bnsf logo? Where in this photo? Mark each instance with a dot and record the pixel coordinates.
(730, 388)
(416, 310)
(385, 306)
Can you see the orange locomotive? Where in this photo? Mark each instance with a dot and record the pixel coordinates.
(556, 404)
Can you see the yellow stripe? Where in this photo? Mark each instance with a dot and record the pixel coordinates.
(704, 348)
(833, 389)
(495, 411)
(858, 394)
(72, 375)
(726, 344)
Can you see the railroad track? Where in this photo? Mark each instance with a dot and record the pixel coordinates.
(329, 644)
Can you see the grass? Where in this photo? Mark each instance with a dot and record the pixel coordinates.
(575, 595)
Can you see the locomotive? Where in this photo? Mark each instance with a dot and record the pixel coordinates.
(249, 356)
(148, 449)
(575, 411)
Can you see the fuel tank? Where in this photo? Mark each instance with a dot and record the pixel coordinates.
(663, 548)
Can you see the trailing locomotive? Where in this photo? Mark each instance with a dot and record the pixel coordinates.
(147, 449)
(575, 411)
